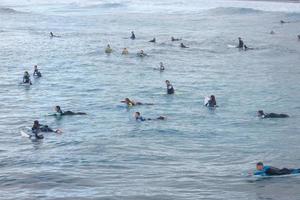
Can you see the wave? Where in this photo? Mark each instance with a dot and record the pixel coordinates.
(234, 10)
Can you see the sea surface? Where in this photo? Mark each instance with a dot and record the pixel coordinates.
(197, 153)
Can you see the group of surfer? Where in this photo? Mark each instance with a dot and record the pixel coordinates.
(37, 128)
(26, 76)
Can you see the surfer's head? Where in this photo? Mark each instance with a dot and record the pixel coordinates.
(259, 166)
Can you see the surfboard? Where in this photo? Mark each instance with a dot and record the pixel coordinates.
(205, 102)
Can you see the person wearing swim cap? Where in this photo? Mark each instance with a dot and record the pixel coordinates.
(262, 170)
(130, 103)
(61, 113)
(26, 78)
(183, 46)
(138, 117)
(125, 51)
(36, 72)
(170, 88)
(153, 40)
(211, 102)
(241, 43)
(261, 114)
(108, 49)
(132, 35)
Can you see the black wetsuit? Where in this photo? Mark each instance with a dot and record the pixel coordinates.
(26, 79)
(273, 171)
(170, 89)
(211, 103)
(132, 36)
(37, 73)
(71, 113)
(40, 128)
(241, 44)
(275, 115)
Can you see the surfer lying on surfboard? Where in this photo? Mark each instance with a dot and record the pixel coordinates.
(262, 170)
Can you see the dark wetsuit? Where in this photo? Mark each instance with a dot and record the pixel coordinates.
(273, 171)
(40, 128)
(142, 119)
(153, 40)
(170, 89)
(241, 44)
(26, 79)
(132, 36)
(211, 103)
(274, 115)
(71, 113)
(37, 73)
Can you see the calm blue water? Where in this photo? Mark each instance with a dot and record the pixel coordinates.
(197, 153)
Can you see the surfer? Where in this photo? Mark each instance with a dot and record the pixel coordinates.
(241, 43)
(138, 117)
(26, 78)
(298, 37)
(36, 72)
(37, 128)
(132, 35)
(211, 102)
(108, 49)
(129, 102)
(125, 51)
(141, 54)
(153, 40)
(183, 46)
(273, 171)
(175, 39)
(261, 114)
(60, 112)
(170, 88)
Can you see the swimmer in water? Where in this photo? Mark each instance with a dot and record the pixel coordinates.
(211, 102)
(108, 49)
(170, 88)
(36, 72)
(59, 112)
(272, 32)
(175, 39)
(153, 40)
(130, 103)
(183, 46)
(125, 51)
(273, 171)
(241, 43)
(261, 114)
(38, 128)
(26, 78)
(142, 54)
(138, 117)
(298, 37)
(132, 35)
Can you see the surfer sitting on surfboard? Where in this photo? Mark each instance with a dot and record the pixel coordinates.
(26, 78)
(38, 128)
(211, 102)
(273, 171)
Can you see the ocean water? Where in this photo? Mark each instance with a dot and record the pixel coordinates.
(196, 153)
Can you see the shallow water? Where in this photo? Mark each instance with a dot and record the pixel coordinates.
(197, 153)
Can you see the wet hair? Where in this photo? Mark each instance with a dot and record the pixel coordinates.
(261, 112)
(260, 164)
(58, 109)
(138, 113)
